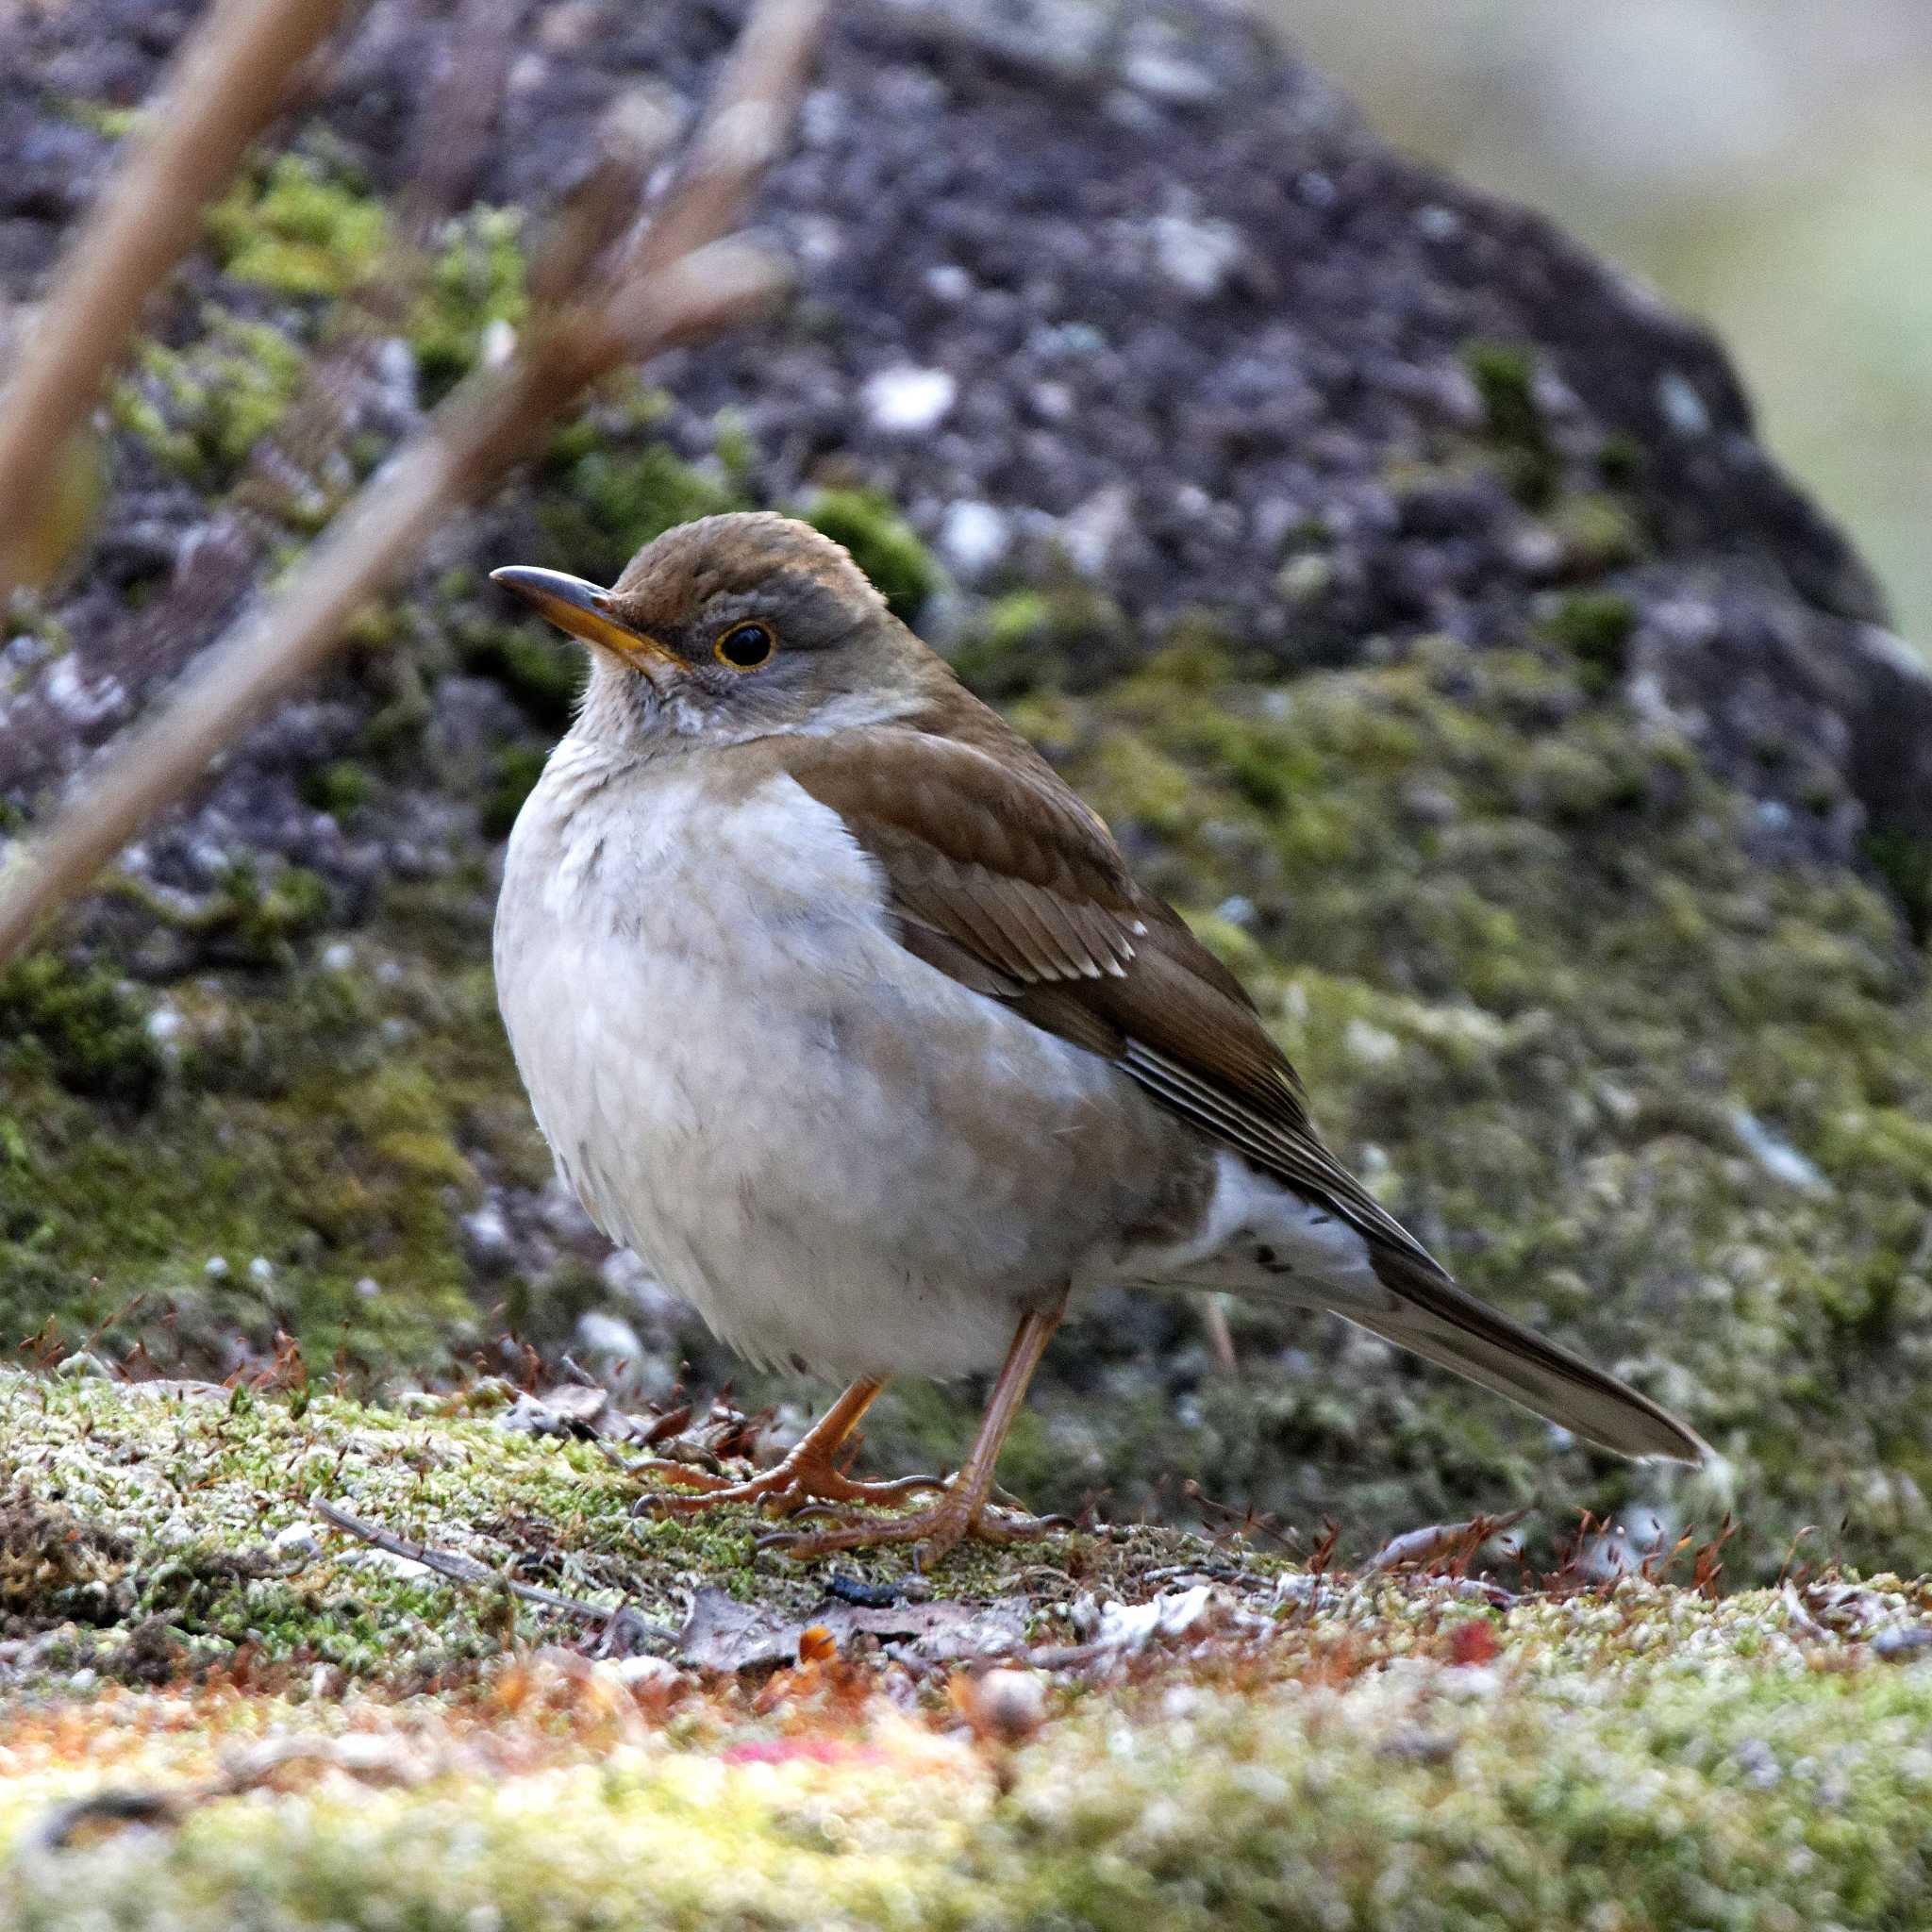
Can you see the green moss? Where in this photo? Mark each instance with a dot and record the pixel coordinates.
(540, 669)
(314, 1121)
(217, 1585)
(446, 1472)
(1378, 1751)
(378, 626)
(733, 447)
(1505, 377)
(1255, 1810)
(1011, 650)
(517, 770)
(297, 227)
(202, 409)
(882, 544)
(1619, 460)
(1599, 531)
(340, 788)
(256, 922)
(1904, 861)
(478, 279)
(1596, 625)
(1038, 639)
(99, 117)
(1017, 619)
(82, 1023)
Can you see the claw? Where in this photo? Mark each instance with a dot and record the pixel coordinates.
(798, 1485)
(812, 1477)
(819, 1511)
(935, 1531)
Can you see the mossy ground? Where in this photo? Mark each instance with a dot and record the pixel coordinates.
(257, 1163)
(215, 1720)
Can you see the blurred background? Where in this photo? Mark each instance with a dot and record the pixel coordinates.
(1767, 164)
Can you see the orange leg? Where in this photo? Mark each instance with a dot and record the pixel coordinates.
(961, 1512)
(806, 1475)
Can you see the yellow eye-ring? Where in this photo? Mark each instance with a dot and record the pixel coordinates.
(745, 647)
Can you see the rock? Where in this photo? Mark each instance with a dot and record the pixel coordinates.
(599, 1333)
(1196, 256)
(298, 1542)
(1398, 579)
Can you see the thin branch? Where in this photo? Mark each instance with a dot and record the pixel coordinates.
(1219, 1337)
(1458, 1542)
(465, 96)
(654, 297)
(225, 90)
(466, 1570)
(741, 133)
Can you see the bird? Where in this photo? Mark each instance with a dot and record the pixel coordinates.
(845, 1013)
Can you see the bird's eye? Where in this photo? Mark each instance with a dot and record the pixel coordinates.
(745, 647)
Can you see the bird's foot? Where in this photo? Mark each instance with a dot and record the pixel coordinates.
(798, 1480)
(938, 1529)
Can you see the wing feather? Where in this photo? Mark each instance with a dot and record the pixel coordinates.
(1004, 880)
(996, 857)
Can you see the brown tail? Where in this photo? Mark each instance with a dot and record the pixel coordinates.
(1445, 1325)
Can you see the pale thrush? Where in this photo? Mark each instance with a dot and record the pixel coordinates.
(841, 1010)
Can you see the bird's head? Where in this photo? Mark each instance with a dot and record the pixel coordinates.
(734, 627)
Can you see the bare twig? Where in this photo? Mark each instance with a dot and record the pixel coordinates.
(1219, 1338)
(464, 97)
(466, 1570)
(225, 90)
(743, 130)
(1453, 1541)
(685, 276)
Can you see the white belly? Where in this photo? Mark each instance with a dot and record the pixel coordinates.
(837, 1154)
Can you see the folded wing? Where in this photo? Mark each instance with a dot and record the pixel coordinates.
(1002, 878)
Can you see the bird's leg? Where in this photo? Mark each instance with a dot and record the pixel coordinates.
(961, 1512)
(805, 1473)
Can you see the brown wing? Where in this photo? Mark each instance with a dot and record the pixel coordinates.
(1002, 878)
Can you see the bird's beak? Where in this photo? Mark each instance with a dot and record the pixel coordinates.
(582, 610)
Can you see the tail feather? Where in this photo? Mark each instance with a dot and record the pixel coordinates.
(1445, 1325)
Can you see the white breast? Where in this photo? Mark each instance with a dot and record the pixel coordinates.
(836, 1153)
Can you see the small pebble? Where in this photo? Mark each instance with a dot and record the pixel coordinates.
(907, 401)
(973, 536)
(1195, 256)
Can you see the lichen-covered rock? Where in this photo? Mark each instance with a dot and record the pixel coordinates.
(1406, 588)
